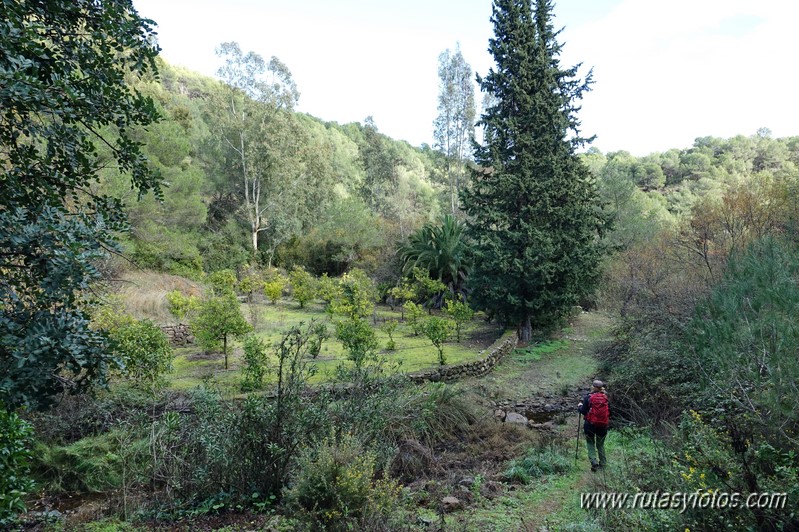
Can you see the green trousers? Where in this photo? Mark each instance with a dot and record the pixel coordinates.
(596, 445)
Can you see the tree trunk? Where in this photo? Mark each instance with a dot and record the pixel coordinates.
(255, 240)
(224, 348)
(525, 330)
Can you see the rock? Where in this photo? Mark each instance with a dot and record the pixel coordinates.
(500, 414)
(513, 417)
(466, 481)
(450, 504)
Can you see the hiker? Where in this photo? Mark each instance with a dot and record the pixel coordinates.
(594, 407)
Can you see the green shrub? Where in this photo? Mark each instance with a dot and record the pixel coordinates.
(356, 296)
(318, 335)
(538, 463)
(389, 327)
(273, 289)
(255, 358)
(182, 306)
(303, 285)
(145, 352)
(437, 331)
(334, 486)
(223, 282)
(413, 315)
(92, 465)
(460, 313)
(15, 481)
(218, 318)
(358, 338)
(227, 451)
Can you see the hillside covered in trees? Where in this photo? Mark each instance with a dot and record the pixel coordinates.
(218, 311)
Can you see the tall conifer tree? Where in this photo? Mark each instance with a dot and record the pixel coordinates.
(532, 209)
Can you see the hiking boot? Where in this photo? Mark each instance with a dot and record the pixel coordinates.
(594, 467)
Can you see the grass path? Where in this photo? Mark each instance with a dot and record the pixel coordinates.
(557, 367)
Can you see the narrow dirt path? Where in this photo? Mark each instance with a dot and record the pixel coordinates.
(544, 382)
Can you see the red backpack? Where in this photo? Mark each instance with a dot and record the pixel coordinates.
(598, 412)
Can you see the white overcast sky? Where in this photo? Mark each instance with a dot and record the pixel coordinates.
(665, 71)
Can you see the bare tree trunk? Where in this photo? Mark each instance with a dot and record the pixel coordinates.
(525, 330)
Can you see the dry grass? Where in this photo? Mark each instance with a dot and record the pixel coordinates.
(144, 294)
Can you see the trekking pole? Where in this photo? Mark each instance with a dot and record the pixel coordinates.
(577, 446)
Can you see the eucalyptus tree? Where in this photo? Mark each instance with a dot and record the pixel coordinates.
(259, 142)
(454, 125)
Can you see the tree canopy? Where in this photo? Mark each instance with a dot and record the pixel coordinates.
(532, 208)
(66, 111)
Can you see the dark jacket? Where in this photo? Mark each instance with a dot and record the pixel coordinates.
(588, 428)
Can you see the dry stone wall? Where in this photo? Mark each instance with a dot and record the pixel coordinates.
(478, 368)
(179, 335)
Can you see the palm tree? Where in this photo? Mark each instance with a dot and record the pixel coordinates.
(440, 250)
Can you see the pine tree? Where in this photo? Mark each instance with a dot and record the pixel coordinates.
(533, 215)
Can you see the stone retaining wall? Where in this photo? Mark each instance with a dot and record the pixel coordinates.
(179, 335)
(478, 368)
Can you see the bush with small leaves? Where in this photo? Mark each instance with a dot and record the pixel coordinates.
(389, 327)
(182, 306)
(335, 486)
(413, 315)
(218, 318)
(273, 288)
(255, 363)
(437, 331)
(358, 338)
(357, 295)
(15, 482)
(460, 312)
(303, 285)
(222, 282)
(318, 335)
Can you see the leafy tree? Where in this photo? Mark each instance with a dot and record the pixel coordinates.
(64, 71)
(218, 318)
(389, 327)
(303, 285)
(454, 126)
(318, 335)
(532, 209)
(182, 306)
(401, 293)
(273, 288)
(437, 331)
(429, 291)
(357, 296)
(358, 338)
(223, 282)
(275, 163)
(413, 314)
(460, 312)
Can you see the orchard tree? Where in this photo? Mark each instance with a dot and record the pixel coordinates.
(303, 285)
(533, 214)
(218, 318)
(437, 331)
(460, 312)
(64, 73)
(454, 125)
